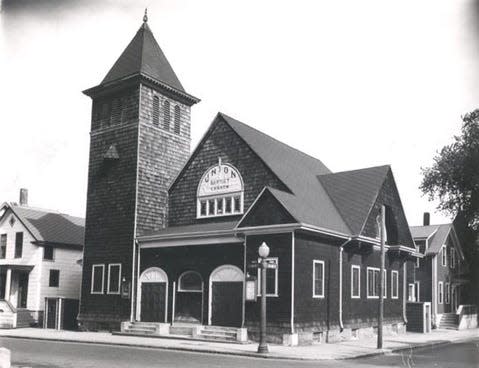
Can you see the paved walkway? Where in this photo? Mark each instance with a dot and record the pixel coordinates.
(341, 350)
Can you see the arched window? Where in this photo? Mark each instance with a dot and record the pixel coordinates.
(190, 281)
(220, 192)
(177, 119)
(166, 115)
(156, 111)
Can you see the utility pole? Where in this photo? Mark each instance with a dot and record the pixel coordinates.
(381, 277)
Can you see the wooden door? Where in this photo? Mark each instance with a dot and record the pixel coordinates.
(227, 303)
(52, 313)
(153, 296)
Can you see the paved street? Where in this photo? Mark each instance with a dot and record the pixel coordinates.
(40, 354)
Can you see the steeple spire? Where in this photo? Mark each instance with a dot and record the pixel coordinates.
(145, 17)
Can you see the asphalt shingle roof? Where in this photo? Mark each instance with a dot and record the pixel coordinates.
(144, 56)
(438, 239)
(52, 227)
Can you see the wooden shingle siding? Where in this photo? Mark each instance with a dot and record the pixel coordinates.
(389, 196)
(222, 142)
(278, 307)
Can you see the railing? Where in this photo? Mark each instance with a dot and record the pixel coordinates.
(466, 310)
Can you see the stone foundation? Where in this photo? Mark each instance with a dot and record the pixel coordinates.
(99, 323)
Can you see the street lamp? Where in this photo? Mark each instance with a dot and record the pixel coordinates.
(263, 252)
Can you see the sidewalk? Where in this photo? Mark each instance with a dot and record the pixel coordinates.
(342, 350)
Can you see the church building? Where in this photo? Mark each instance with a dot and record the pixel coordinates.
(173, 237)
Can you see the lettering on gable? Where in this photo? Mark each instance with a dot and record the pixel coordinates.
(220, 179)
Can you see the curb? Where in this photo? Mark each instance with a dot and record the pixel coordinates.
(243, 353)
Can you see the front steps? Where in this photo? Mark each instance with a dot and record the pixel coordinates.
(185, 331)
(449, 321)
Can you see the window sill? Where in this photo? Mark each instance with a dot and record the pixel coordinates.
(373, 297)
(355, 297)
(318, 296)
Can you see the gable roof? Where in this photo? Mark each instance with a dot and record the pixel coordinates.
(340, 202)
(437, 235)
(48, 226)
(354, 193)
(144, 56)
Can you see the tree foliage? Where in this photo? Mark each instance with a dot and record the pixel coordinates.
(454, 176)
(453, 179)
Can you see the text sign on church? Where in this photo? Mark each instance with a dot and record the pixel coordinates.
(220, 179)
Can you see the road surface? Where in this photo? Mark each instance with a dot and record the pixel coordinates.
(42, 354)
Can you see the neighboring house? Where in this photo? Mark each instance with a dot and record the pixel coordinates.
(439, 273)
(39, 250)
(160, 249)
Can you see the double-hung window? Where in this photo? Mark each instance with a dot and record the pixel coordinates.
(440, 292)
(453, 258)
(54, 280)
(372, 282)
(3, 246)
(18, 245)
(394, 284)
(97, 278)
(444, 255)
(318, 279)
(447, 293)
(355, 282)
(271, 278)
(114, 278)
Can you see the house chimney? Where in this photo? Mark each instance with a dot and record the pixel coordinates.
(23, 197)
(426, 219)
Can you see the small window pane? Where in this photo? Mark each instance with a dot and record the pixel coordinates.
(355, 282)
(318, 279)
(54, 280)
(370, 283)
(219, 206)
(228, 204)
(203, 208)
(237, 204)
(211, 207)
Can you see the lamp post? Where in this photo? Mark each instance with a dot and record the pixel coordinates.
(263, 252)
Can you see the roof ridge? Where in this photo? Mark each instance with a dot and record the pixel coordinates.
(273, 138)
(362, 169)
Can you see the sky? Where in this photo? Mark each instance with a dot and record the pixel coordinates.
(353, 83)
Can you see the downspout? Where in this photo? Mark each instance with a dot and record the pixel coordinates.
(404, 292)
(341, 249)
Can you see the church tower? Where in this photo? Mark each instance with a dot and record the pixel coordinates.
(139, 141)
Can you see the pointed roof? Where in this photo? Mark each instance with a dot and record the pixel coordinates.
(354, 193)
(48, 226)
(143, 56)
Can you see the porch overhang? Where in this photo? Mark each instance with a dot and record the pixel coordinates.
(16, 267)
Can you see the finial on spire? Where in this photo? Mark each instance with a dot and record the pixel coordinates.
(145, 17)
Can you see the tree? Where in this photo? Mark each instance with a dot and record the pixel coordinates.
(453, 179)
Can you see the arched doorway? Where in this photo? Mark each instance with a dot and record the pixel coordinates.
(153, 295)
(189, 298)
(226, 296)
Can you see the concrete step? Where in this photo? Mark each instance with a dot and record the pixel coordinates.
(217, 337)
(181, 330)
(220, 328)
(139, 331)
(218, 333)
(144, 329)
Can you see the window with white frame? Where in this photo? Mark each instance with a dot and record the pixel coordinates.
(453, 258)
(372, 277)
(318, 279)
(417, 291)
(394, 284)
(97, 278)
(190, 281)
(447, 293)
(355, 282)
(440, 292)
(411, 292)
(114, 278)
(444, 255)
(220, 192)
(271, 278)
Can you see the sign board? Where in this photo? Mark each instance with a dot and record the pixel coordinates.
(220, 179)
(125, 290)
(250, 290)
(272, 265)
